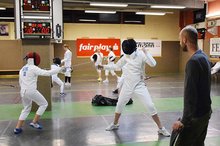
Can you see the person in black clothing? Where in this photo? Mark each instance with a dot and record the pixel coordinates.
(197, 102)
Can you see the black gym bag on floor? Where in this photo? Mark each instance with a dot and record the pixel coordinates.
(100, 100)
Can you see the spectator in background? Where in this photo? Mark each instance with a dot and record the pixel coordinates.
(215, 68)
(55, 78)
(97, 59)
(111, 58)
(67, 60)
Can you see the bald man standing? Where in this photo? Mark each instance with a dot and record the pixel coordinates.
(197, 102)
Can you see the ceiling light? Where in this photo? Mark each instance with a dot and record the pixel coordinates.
(215, 14)
(132, 21)
(151, 13)
(36, 17)
(7, 18)
(167, 7)
(107, 12)
(2, 8)
(87, 20)
(108, 4)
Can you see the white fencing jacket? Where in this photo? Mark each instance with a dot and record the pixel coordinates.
(134, 66)
(111, 56)
(55, 67)
(99, 58)
(29, 73)
(215, 68)
(67, 58)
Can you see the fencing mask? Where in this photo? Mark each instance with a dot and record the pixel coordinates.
(35, 56)
(57, 61)
(129, 46)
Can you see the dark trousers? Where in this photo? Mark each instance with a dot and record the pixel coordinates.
(195, 133)
(67, 79)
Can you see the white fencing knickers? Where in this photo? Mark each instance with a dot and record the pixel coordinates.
(98, 70)
(68, 72)
(120, 82)
(139, 91)
(27, 97)
(59, 82)
(111, 71)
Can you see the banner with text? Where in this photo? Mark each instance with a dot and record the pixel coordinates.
(87, 47)
(154, 46)
(214, 47)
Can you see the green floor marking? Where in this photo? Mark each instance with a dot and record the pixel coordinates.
(210, 141)
(154, 143)
(84, 108)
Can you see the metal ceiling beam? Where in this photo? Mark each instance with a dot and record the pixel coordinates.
(195, 4)
(133, 4)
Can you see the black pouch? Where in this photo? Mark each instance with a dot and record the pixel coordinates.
(100, 100)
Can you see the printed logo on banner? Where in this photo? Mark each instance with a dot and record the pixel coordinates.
(87, 47)
(154, 46)
(215, 47)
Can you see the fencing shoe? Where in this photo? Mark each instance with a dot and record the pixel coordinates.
(36, 125)
(164, 132)
(112, 126)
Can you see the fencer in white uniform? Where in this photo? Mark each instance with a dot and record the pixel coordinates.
(55, 78)
(28, 82)
(215, 68)
(134, 85)
(96, 58)
(124, 73)
(67, 64)
(120, 79)
(111, 58)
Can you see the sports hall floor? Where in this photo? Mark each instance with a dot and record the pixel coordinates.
(73, 121)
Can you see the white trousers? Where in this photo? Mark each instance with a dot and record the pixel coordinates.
(111, 71)
(27, 97)
(140, 91)
(120, 82)
(59, 82)
(68, 72)
(98, 70)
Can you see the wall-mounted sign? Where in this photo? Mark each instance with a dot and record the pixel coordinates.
(37, 29)
(86, 47)
(4, 30)
(36, 5)
(214, 47)
(39, 19)
(154, 46)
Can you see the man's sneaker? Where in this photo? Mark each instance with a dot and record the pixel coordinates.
(112, 126)
(164, 132)
(99, 79)
(115, 91)
(62, 94)
(106, 81)
(35, 125)
(17, 130)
